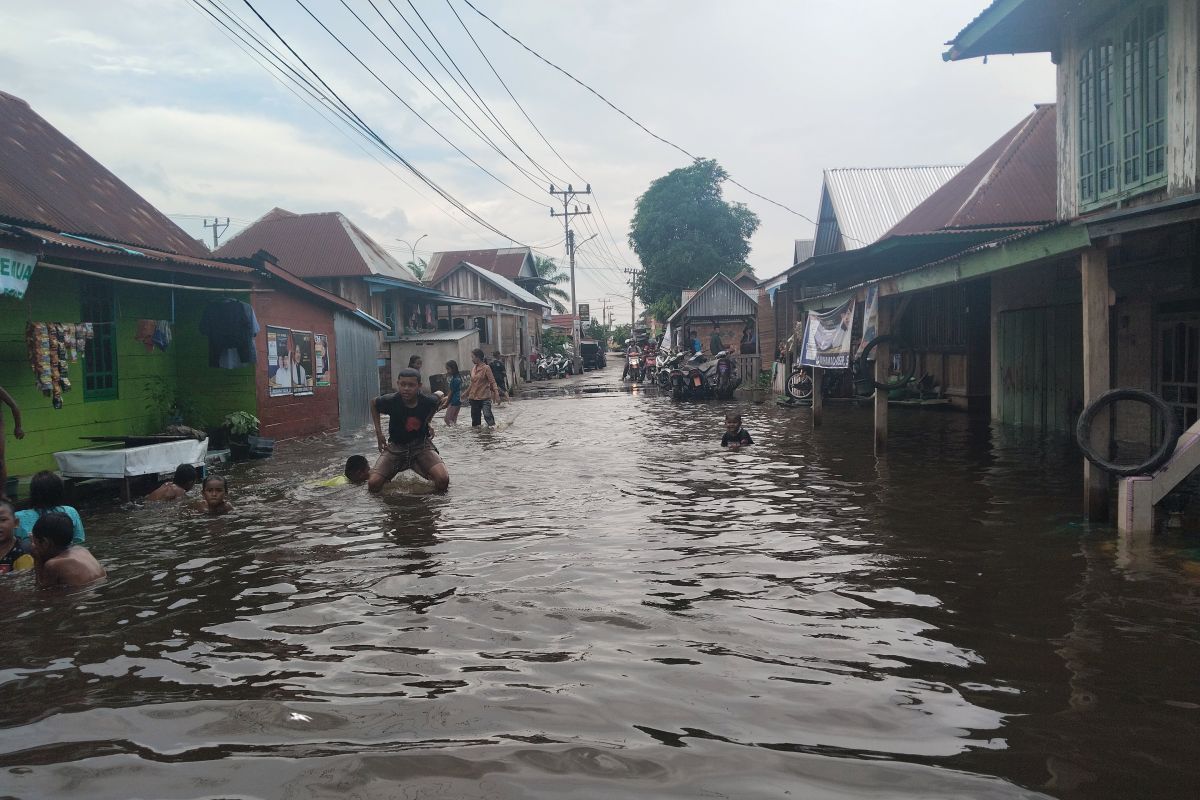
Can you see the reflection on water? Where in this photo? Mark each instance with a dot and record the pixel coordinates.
(608, 605)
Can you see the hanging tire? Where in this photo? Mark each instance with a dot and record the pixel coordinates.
(1171, 432)
(867, 369)
(799, 385)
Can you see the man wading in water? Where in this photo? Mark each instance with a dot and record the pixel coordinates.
(408, 444)
(482, 390)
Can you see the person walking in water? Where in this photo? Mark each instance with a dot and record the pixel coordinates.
(483, 390)
(454, 382)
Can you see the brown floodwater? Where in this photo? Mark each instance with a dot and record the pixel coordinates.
(607, 605)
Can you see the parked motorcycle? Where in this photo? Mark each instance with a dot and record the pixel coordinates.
(701, 379)
(667, 363)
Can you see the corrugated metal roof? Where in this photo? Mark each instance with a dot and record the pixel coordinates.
(803, 250)
(437, 336)
(1012, 183)
(504, 261)
(504, 284)
(147, 257)
(48, 181)
(719, 297)
(867, 202)
(321, 245)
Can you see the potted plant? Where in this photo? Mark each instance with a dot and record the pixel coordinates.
(240, 425)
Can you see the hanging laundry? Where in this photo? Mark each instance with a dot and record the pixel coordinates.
(162, 334)
(230, 326)
(428, 315)
(52, 346)
(144, 332)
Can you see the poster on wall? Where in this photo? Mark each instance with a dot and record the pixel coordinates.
(321, 359)
(826, 341)
(279, 362)
(302, 362)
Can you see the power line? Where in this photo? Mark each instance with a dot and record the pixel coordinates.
(375, 136)
(323, 103)
(614, 107)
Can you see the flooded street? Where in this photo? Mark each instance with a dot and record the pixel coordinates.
(608, 605)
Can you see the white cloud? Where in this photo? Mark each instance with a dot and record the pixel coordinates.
(776, 92)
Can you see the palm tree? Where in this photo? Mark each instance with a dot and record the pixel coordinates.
(548, 270)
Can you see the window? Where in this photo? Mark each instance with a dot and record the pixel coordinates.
(389, 316)
(100, 353)
(1122, 85)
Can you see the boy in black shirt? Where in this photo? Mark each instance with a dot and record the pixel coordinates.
(735, 436)
(408, 444)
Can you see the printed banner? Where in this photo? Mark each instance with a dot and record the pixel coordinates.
(16, 269)
(279, 362)
(321, 356)
(871, 314)
(302, 362)
(826, 342)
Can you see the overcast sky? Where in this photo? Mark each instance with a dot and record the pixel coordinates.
(775, 91)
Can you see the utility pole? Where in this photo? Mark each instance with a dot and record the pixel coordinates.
(215, 224)
(568, 195)
(634, 275)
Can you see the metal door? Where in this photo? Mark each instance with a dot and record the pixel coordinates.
(357, 370)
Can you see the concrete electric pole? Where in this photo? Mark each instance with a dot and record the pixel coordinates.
(215, 224)
(568, 195)
(633, 274)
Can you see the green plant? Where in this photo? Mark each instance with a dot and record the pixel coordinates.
(241, 424)
(172, 405)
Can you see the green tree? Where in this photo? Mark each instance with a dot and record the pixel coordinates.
(594, 330)
(547, 269)
(621, 332)
(684, 232)
(418, 268)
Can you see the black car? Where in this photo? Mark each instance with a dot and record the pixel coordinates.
(592, 354)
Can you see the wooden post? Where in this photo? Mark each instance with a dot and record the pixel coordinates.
(883, 362)
(1094, 274)
(816, 397)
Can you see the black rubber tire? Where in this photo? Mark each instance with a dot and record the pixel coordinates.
(664, 380)
(1083, 432)
(868, 369)
(799, 385)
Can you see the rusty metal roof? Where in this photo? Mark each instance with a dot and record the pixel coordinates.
(504, 261)
(1011, 183)
(867, 202)
(321, 245)
(48, 181)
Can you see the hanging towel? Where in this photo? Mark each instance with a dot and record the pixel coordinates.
(230, 325)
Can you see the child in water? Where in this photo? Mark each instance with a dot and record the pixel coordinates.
(215, 493)
(736, 437)
(454, 382)
(61, 564)
(357, 471)
(178, 486)
(14, 556)
(46, 494)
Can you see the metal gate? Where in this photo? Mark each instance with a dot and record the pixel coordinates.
(357, 370)
(1179, 366)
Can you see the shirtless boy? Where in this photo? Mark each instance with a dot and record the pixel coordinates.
(177, 487)
(57, 562)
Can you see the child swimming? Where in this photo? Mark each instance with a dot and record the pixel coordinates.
(60, 563)
(736, 437)
(357, 471)
(215, 495)
(178, 486)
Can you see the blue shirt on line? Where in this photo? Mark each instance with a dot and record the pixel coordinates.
(28, 518)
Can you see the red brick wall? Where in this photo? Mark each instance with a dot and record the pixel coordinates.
(293, 416)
